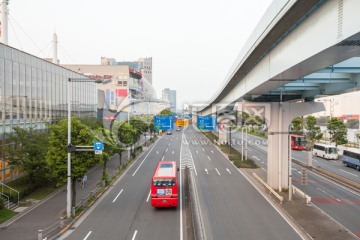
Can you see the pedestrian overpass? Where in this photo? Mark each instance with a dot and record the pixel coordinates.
(300, 50)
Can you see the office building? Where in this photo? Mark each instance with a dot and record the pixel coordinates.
(170, 95)
(33, 93)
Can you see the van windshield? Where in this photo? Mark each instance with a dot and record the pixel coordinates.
(332, 150)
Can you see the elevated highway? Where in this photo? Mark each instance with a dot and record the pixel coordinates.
(300, 50)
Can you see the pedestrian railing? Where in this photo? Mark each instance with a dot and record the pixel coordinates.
(11, 191)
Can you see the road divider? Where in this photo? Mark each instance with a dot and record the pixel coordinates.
(281, 199)
(301, 193)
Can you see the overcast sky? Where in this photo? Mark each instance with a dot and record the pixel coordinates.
(193, 43)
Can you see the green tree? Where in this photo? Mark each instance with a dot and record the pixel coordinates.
(337, 130)
(126, 133)
(322, 121)
(92, 122)
(27, 151)
(166, 112)
(313, 132)
(57, 154)
(297, 126)
(111, 147)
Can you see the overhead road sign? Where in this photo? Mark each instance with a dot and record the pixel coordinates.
(163, 123)
(206, 123)
(182, 122)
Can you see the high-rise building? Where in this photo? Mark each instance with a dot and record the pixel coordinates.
(170, 95)
(146, 69)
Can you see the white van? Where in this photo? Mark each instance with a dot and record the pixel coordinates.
(325, 151)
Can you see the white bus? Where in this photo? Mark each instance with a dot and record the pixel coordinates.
(325, 151)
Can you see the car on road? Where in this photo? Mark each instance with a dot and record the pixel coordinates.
(178, 129)
(168, 133)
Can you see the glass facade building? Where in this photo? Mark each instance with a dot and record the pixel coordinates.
(33, 92)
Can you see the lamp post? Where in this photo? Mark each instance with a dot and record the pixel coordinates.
(69, 88)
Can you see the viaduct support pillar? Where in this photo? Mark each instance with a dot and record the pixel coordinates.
(278, 117)
(281, 115)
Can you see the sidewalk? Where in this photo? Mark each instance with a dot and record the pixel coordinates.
(47, 212)
(311, 220)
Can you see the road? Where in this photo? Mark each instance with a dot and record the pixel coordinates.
(125, 211)
(341, 203)
(231, 208)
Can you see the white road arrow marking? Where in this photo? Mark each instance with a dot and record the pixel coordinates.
(206, 171)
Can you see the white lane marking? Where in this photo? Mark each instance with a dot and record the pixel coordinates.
(134, 236)
(206, 171)
(217, 171)
(334, 183)
(118, 195)
(172, 152)
(181, 189)
(263, 169)
(147, 200)
(349, 173)
(228, 170)
(169, 144)
(212, 152)
(209, 158)
(315, 160)
(328, 194)
(144, 158)
(255, 157)
(197, 152)
(262, 162)
(163, 158)
(157, 152)
(87, 235)
(203, 149)
(166, 150)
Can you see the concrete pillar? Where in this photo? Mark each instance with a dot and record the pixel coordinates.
(278, 117)
(309, 158)
(278, 130)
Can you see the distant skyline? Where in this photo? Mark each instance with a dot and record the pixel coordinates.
(193, 43)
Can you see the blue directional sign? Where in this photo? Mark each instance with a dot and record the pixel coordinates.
(206, 123)
(98, 145)
(163, 122)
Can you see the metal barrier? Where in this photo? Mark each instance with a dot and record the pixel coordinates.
(281, 199)
(10, 190)
(302, 194)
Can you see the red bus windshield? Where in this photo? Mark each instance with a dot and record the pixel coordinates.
(164, 186)
(298, 142)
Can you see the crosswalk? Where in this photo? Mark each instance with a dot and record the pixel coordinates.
(186, 159)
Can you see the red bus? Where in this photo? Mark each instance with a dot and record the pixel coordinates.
(298, 142)
(164, 185)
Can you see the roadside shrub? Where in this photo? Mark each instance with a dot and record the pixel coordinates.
(2, 203)
(245, 164)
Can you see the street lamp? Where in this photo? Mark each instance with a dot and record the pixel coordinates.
(69, 86)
